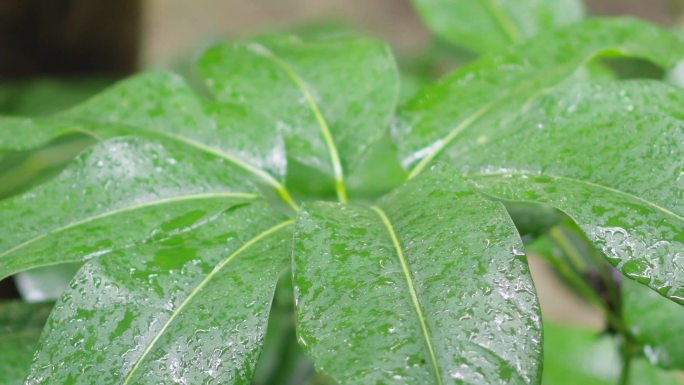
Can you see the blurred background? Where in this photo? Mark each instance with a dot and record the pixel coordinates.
(79, 37)
(55, 54)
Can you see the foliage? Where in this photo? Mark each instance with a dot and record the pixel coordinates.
(195, 202)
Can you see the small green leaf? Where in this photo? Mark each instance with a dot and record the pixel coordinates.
(20, 328)
(656, 323)
(490, 25)
(577, 356)
(191, 308)
(428, 287)
(331, 99)
(113, 196)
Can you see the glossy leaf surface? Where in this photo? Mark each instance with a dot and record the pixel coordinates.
(608, 155)
(433, 123)
(20, 328)
(191, 308)
(114, 196)
(162, 105)
(331, 99)
(428, 287)
(489, 25)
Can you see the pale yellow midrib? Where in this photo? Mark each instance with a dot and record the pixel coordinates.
(412, 290)
(197, 289)
(509, 28)
(265, 176)
(472, 118)
(338, 172)
(588, 183)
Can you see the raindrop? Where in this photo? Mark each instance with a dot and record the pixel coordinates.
(517, 252)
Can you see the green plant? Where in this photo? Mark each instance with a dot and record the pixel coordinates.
(196, 201)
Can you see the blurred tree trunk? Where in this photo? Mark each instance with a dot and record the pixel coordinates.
(68, 37)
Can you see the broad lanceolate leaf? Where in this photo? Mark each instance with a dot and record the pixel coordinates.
(656, 323)
(20, 328)
(191, 308)
(331, 98)
(498, 84)
(162, 105)
(611, 157)
(428, 287)
(491, 25)
(113, 196)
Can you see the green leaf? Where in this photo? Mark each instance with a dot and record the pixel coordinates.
(20, 328)
(428, 287)
(331, 99)
(23, 170)
(577, 356)
(500, 84)
(656, 323)
(491, 25)
(113, 196)
(191, 308)
(609, 156)
(605, 154)
(160, 105)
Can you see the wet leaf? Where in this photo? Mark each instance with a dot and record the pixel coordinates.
(191, 309)
(490, 25)
(113, 196)
(500, 84)
(160, 104)
(329, 106)
(428, 293)
(20, 328)
(607, 154)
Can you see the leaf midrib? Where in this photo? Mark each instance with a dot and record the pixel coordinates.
(585, 182)
(506, 24)
(338, 172)
(280, 189)
(412, 290)
(198, 288)
(109, 213)
(467, 122)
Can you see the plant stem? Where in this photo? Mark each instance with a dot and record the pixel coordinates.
(627, 352)
(576, 261)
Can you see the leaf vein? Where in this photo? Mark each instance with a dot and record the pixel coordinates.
(322, 123)
(179, 198)
(198, 288)
(412, 290)
(588, 183)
